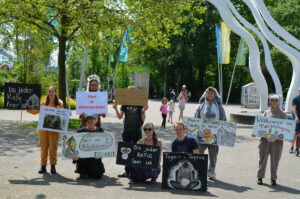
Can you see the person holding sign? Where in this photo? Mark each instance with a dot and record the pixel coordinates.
(93, 85)
(89, 167)
(270, 147)
(183, 143)
(210, 108)
(139, 174)
(48, 139)
(296, 114)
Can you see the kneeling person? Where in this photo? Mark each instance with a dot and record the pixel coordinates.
(89, 167)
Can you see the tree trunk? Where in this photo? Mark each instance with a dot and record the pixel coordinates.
(165, 83)
(62, 68)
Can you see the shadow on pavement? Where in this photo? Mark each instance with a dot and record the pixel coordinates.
(227, 186)
(281, 188)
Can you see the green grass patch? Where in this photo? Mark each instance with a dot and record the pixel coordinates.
(73, 124)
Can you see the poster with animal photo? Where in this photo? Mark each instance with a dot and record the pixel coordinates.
(214, 132)
(274, 128)
(138, 155)
(20, 96)
(91, 102)
(88, 145)
(185, 171)
(54, 119)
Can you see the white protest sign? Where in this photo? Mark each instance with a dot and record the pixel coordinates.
(274, 128)
(91, 102)
(87, 145)
(54, 119)
(214, 132)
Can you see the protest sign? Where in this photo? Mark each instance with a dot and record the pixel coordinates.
(134, 97)
(274, 128)
(88, 145)
(214, 132)
(139, 155)
(91, 102)
(22, 96)
(185, 171)
(54, 119)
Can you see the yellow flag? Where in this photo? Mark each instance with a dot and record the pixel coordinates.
(225, 43)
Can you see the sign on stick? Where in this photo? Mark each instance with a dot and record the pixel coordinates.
(134, 97)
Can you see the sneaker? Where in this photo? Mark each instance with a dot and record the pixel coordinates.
(42, 169)
(292, 149)
(259, 181)
(297, 151)
(153, 180)
(84, 176)
(273, 182)
(131, 182)
(213, 179)
(53, 170)
(123, 175)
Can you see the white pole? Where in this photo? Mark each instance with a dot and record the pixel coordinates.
(84, 60)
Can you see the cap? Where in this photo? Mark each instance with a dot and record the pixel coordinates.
(89, 117)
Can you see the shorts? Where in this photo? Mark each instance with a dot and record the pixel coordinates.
(170, 112)
(297, 128)
(181, 107)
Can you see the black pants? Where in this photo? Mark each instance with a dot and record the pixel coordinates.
(164, 116)
(92, 167)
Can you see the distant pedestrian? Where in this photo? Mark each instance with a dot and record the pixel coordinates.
(182, 99)
(164, 112)
(189, 96)
(173, 96)
(171, 107)
(296, 115)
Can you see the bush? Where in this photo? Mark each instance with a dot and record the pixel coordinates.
(72, 103)
(2, 101)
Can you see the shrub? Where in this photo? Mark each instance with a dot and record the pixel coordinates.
(2, 101)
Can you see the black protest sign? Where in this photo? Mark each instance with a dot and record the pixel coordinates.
(22, 96)
(138, 155)
(185, 171)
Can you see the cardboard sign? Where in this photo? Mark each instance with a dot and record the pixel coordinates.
(88, 145)
(185, 171)
(91, 102)
(214, 132)
(54, 119)
(134, 97)
(22, 96)
(274, 128)
(139, 155)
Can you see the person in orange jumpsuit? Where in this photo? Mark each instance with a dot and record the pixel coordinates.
(48, 139)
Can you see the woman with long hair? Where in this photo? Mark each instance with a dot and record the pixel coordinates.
(48, 139)
(139, 174)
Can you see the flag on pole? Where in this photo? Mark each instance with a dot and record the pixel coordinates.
(225, 43)
(123, 53)
(219, 43)
(241, 55)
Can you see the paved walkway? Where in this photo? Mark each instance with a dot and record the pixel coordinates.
(236, 167)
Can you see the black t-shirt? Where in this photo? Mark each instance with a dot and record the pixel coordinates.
(85, 129)
(187, 145)
(132, 121)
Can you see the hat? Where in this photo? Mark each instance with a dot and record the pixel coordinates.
(93, 78)
(89, 117)
(275, 97)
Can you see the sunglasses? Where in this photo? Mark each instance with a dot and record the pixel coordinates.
(274, 100)
(147, 129)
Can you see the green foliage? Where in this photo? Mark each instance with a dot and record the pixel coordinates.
(4, 77)
(73, 124)
(1, 101)
(72, 103)
(123, 76)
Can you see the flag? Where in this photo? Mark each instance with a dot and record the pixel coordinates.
(225, 43)
(241, 55)
(219, 43)
(123, 53)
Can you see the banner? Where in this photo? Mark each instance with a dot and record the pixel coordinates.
(185, 171)
(219, 44)
(134, 97)
(225, 43)
(20, 96)
(139, 155)
(54, 119)
(91, 102)
(88, 145)
(241, 55)
(123, 53)
(214, 132)
(274, 128)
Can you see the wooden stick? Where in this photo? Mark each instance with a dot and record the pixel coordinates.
(20, 129)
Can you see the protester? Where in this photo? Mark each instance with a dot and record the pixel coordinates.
(89, 167)
(270, 147)
(171, 108)
(164, 112)
(133, 121)
(183, 143)
(182, 99)
(139, 174)
(296, 115)
(173, 96)
(93, 85)
(48, 139)
(210, 108)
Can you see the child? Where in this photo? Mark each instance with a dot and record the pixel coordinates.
(164, 112)
(171, 110)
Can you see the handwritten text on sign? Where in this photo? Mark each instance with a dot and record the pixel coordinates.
(274, 128)
(91, 102)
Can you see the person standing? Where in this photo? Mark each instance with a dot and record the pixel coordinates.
(48, 139)
(296, 115)
(164, 112)
(270, 147)
(210, 108)
(133, 121)
(171, 110)
(182, 99)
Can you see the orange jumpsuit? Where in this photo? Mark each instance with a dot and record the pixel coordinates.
(48, 139)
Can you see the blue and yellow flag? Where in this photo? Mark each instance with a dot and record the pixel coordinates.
(219, 44)
(123, 53)
(225, 43)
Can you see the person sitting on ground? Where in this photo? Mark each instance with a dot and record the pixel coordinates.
(183, 143)
(89, 167)
(139, 174)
